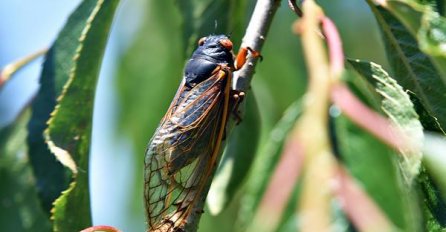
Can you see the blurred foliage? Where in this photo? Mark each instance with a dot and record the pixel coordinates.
(20, 209)
(241, 149)
(149, 70)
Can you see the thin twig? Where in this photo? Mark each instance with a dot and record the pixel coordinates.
(294, 7)
(254, 38)
(13, 67)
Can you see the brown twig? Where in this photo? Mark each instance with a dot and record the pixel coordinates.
(13, 67)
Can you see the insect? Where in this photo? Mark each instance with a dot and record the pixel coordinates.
(183, 152)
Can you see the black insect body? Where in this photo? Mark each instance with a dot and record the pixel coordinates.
(183, 152)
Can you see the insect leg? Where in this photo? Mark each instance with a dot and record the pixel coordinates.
(242, 56)
(236, 98)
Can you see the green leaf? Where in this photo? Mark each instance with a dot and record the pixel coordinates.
(70, 71)
(264, 164)
(374, 166)
(398, 107)
(429, 122)
(237, 158)
(51, 177)
(434, 206)
(20, 209)
(413, 69)
(427, 26)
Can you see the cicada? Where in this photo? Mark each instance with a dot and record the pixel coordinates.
(184, 150)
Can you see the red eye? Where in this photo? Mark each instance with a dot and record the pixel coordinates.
(226, 43)
(201, 41)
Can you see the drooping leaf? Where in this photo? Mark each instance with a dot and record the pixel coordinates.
(20, 209)
(374, 166)
(237, 158)
(412, 68)
(51, 177)
(398, 107)
(74, 77)
(263, 166)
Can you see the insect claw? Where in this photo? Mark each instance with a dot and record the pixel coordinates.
(255, 53)
(237, 98)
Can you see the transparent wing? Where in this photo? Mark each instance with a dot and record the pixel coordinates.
(179, 155)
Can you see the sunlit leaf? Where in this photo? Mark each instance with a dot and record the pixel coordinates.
(71, 70)
(51, 177)
(398, 107)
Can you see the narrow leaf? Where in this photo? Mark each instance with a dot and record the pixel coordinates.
(69, 131)
(20, 209)
(51, 177)
(398, 107)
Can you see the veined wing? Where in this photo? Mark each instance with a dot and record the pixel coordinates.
(181, 153)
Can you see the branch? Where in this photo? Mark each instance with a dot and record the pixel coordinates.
(10, 69)
(254, 38)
